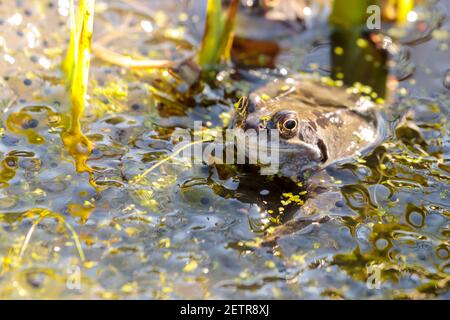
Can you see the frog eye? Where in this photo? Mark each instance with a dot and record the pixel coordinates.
(288, 125)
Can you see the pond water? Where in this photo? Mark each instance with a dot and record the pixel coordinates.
(197, 231)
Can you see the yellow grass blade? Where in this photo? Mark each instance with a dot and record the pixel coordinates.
(76, 68)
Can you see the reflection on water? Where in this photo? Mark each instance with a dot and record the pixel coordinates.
(199, 232)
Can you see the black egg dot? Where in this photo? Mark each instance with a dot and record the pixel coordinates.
(204, 201)
(34, 59)
(27, 82)
(30, 124)
(33, 123)
(36, 279)
(20, 33)
(339, 204)
(28, 12)
(135, 106)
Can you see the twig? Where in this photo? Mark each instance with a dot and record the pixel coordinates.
(159, 163)
(127, 62)
(42, 215)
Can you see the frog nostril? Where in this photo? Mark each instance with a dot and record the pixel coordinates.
(252, 123)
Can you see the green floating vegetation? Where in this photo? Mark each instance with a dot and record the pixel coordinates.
(76, 69)
(219, 33)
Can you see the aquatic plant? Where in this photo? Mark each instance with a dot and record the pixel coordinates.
(76, 69)
(219, 33)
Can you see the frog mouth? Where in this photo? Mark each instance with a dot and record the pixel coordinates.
(314, 152)
(306, 151)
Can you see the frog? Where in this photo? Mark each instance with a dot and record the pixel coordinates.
(321, 124)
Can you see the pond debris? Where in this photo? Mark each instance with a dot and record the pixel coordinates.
(128, 62)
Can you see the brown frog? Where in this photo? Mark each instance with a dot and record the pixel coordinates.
(319, 125)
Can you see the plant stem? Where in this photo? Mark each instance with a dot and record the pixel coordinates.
(76, 68)
(219, 33)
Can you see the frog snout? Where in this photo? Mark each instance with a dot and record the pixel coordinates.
(254, 123)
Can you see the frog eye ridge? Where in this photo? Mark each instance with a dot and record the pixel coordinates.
(242, 106)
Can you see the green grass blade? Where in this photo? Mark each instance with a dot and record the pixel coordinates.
(227, 35)
(213, 27)
(81, 67)
(219, 32)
